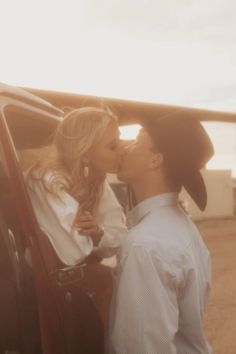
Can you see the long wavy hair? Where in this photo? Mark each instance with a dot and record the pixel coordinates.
(79, 131)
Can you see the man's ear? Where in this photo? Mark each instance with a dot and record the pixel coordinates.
(156, 160)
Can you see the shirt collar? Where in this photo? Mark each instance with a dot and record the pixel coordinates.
(140, 210)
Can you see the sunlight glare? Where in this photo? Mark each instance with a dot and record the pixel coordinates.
(129, 132)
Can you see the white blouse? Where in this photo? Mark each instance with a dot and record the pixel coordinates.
(56, 216)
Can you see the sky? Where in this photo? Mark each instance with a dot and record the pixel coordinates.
(180, 52)
(169, 51)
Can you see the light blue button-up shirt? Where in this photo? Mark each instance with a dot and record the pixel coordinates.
(162, 283)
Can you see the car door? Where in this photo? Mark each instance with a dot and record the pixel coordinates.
(19, 326)
(32, 319)
(68, 319)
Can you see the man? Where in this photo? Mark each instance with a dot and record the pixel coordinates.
(162, 278)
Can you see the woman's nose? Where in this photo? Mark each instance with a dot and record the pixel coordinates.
(123, 147)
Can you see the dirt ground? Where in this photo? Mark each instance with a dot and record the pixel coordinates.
(220, 320)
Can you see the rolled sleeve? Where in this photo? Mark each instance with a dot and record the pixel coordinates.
(70, 245)
(55, 215)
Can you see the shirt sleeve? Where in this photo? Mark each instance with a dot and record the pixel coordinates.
(65, 210)
(113, 222)
(55, 215)
(144, 317)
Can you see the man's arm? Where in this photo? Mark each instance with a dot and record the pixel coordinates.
(145, 312)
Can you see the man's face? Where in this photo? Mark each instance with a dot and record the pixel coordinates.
(136, 159)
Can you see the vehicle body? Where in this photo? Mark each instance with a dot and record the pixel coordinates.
(33, 322)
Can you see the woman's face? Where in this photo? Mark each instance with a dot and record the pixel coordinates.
(105, 155)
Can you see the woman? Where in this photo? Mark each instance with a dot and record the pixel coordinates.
(72, 200)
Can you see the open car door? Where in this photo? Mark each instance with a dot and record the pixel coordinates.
(44, 311)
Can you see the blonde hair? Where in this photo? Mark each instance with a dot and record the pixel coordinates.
(80, 130)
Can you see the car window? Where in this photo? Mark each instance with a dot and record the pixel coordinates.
(29, 129)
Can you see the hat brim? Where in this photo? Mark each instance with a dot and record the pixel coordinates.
(196, 188)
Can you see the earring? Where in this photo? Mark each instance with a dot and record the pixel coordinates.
(86, 171)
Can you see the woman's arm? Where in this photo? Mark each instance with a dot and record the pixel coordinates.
(55, 215)
(111, 219)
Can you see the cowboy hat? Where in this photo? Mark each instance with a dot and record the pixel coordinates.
(186, 149)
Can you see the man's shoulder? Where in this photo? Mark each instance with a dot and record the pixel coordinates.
(167, 234)
(161, 224)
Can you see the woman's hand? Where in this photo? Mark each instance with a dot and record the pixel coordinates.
(88, 226)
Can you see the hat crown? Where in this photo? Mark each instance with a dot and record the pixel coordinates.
(183, 142)
(186, 148)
